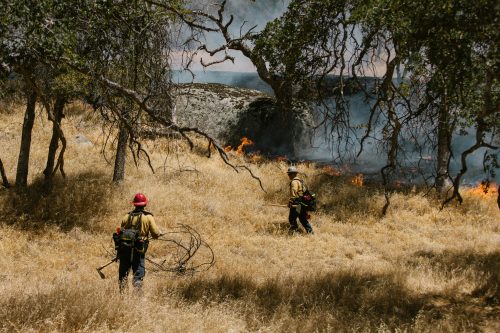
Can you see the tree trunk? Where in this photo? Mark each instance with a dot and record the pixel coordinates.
(285, 134)
(5, 180)
(24, 152)
(444, 134)
(54, 141)
(121, 152)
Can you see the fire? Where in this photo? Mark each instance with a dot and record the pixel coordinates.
(241, 148)
(484, 189)
(244, 142)
(358, 179)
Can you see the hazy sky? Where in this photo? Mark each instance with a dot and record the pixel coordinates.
(253, 13)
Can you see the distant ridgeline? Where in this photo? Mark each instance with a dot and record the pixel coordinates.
(251, 80)
(236, 79)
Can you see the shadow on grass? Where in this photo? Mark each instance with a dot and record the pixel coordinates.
(349, 293)
(277, 227)
(351, 300)
(485, 265)
(72, 202)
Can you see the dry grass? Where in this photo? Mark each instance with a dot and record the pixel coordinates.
(419, 269)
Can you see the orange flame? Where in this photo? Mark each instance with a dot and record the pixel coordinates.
(358, 179)
(244, 142)
(241, 148)
(484, 190)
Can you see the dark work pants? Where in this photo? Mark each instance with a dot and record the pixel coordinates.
(292, 218)
(137, 265)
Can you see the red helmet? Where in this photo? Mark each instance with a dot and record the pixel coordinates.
(140, 200)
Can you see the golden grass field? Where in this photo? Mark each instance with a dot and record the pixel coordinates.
(418, 269)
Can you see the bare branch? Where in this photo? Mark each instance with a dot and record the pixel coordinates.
(187, 245)
(136, 97)
(481, 130)
(139, 150)
(226, 57)
(253, 176)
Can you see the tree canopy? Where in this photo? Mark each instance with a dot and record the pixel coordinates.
(429, 69)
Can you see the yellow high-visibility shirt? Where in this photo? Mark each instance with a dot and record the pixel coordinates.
(148, 225)
(296, 188)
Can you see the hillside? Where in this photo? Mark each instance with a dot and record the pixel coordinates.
(418, 269)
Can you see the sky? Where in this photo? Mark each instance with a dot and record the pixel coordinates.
(251, 12)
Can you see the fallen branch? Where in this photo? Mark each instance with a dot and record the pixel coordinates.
(187, 244)
(183, 247)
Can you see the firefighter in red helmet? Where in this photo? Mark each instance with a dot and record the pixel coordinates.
(131, 241)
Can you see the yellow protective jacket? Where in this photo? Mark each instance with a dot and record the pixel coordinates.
(296, 189)
(148, 225)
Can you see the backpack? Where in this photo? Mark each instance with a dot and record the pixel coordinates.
(308, 199)
(129, 238)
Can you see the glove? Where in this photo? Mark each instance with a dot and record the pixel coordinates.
(116, 240)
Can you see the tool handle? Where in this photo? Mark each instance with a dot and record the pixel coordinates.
(109, 263)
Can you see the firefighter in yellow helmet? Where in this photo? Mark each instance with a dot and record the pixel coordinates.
(131, 241)
(297, 189)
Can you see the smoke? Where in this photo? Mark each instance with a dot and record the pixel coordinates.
(324, 147)
(418, 158)
(328, 145)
